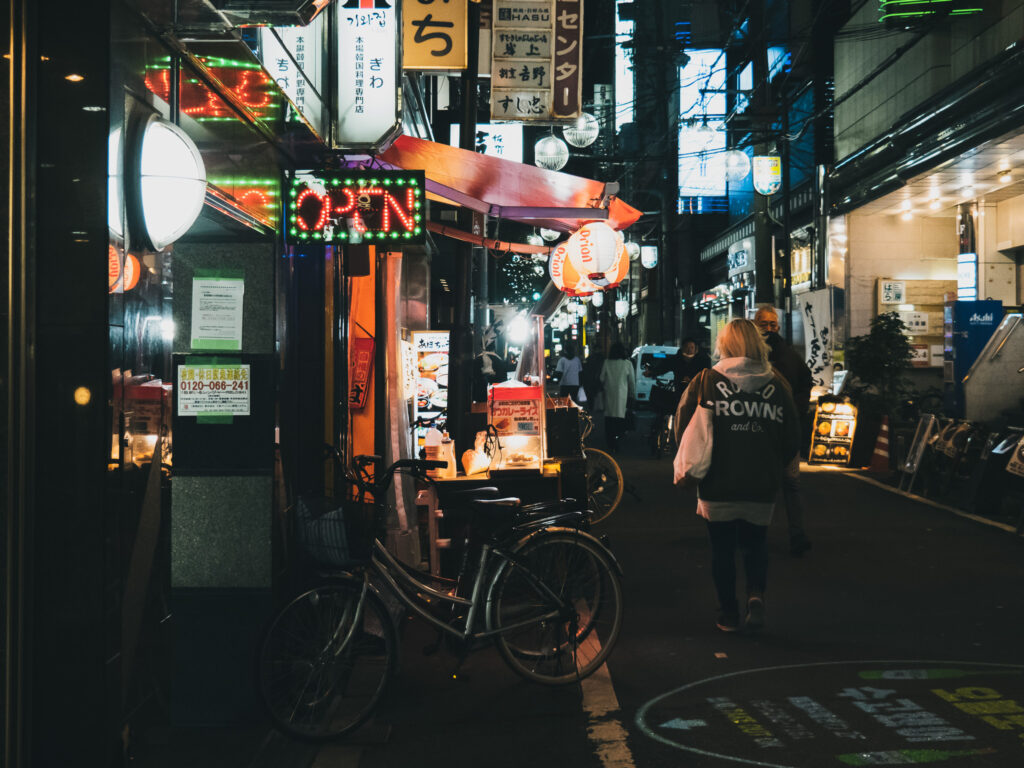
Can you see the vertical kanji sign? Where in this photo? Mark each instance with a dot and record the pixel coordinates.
(567, 102)
(434, 34)
(369, 106)
(360, 366)
(536, 53)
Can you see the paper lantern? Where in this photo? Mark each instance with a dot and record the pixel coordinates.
(598, 299)
(621, 308)
(124, 276)
(583, 132)
(649, 256)
(594, 250)
(737, 165)
(551, 153)
(633, 249)
(565, 276)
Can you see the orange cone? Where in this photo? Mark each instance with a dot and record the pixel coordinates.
(880, 458)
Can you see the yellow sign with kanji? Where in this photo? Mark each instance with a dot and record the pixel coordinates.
(434, 34)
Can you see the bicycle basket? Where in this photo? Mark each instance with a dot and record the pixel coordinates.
(663, 399)
(336, 533)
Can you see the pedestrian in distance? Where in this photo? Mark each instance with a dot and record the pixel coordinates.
(743, 408)
(619, 387)
(686, 363)
(786, 361)
(591, 378)
(569, 369)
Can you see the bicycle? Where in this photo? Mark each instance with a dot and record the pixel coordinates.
(605, 483)
(551, 601)
(663, 402)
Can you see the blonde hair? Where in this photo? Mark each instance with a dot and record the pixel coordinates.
(740, 338)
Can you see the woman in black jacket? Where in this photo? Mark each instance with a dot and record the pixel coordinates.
(747, 419)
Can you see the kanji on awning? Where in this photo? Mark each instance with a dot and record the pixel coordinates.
(507, 189)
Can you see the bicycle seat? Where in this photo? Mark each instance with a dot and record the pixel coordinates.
(470, 494)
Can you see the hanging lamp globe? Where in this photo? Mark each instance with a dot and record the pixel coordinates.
(583, 132)
(551, 153)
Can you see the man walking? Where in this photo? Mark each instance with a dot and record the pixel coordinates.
(795, 371)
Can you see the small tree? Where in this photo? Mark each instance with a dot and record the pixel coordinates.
(878, 361)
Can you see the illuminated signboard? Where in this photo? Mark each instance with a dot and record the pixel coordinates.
(342, 207)
(898, 13)
(246, 81)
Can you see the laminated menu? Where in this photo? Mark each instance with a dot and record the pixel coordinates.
(516, 413)
(832, 434)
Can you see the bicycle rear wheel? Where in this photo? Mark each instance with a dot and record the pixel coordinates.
(326, 660)
(565, 573)
(604, 484)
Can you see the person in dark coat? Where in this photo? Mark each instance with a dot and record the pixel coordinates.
(592, 379)
(795, 371)
(685, 364)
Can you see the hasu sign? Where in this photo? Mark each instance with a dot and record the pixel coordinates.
(336, 207)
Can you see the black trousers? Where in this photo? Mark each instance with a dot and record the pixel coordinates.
(752, 541)
(613, 429)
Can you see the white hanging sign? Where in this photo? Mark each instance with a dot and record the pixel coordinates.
(296, 66)
(369, 107)
(767, 174)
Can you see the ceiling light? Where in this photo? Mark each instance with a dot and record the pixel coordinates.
(935, 204)
(906, 215)
(1005, 176)
(74, 78)
(967, 191)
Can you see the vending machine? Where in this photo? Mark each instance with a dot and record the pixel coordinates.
(967, 326)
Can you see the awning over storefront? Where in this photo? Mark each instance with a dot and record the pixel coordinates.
(507, 189)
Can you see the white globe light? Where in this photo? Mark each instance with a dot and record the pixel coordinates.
(550, 234)
(633, 249)
(649, 256)
(583, 132)
(172, 182)
(621, 308)
(550, 152)
(737, 165)
(597, 299)
(534, 239)
(518, 330)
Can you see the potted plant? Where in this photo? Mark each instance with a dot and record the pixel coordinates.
(878, 362)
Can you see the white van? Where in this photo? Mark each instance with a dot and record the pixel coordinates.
(650, 355)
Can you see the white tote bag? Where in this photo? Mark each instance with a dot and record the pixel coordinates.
(693, 458)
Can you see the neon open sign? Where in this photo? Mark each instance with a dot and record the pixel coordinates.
(340, 207)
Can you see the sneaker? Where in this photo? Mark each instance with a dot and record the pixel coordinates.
(798, 547)
(755, 613)
(728, 621)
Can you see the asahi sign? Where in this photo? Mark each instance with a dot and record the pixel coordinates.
(369, 105)
(536, 57)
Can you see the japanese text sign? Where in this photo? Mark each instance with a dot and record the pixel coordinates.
(369, 107)
(536, 56)
(434, 34)
(293, 56)
(360, 366)
(214, 390)
(339, 207)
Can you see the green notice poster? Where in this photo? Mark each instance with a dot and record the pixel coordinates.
(217, 313)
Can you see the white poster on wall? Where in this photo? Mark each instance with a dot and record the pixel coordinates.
(217, 312)
(815, 308)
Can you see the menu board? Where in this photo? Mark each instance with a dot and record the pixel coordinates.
(430, 402)
(832, 433)
(517, 415)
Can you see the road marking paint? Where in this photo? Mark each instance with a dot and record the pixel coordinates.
(683, 725)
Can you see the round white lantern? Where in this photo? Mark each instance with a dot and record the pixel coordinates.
(737, 165)
(534, 239)
(633, 249)
(550, 234)
(593, 249)
(583, 132)
(621, 308)
(598, 299)
(550, 152)
(172, 182)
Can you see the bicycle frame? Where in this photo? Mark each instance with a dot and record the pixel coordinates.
(400, 582)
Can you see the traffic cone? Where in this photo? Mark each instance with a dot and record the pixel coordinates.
(880, 458)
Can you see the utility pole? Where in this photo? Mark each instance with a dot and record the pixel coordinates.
(764, 259)
(461, 351)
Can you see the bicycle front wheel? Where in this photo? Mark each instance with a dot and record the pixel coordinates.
(557, 608)
(326, 661)
(604, 484)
